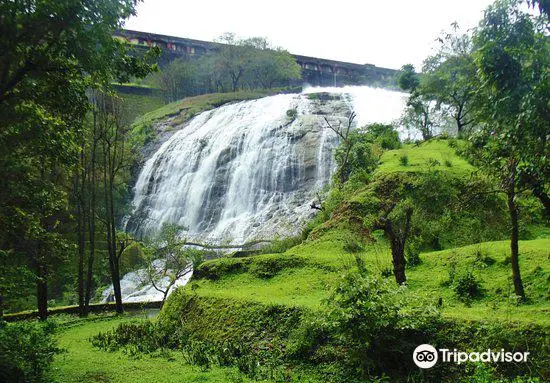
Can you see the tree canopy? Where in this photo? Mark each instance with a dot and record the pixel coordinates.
(52, 52)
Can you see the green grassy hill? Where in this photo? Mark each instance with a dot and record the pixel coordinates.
(304, 275)
(437, 154)
(268, 298)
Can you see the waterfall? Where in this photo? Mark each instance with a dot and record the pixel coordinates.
(248, 170)
(251, 169)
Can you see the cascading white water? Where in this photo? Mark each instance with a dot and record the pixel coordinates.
(251, 169)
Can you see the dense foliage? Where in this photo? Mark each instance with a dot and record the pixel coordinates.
(238, 64)
(26, 352)
(52, 53)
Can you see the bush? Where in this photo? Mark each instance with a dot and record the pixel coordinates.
(412, 254)
(138, 336)
(386, 136)
(26, 351)
(376, 321)
(386, 272)
(468, 287)
(269, 267)
(483, 260)
(352, 246)
(404, 160)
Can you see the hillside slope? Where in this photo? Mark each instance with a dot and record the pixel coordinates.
(304, 275)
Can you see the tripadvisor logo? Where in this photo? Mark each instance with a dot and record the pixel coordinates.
(426, 356)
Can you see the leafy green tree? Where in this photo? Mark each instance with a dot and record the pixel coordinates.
(51, 53)
(233, 59)
(178, 79)
(418, 114)
(512, 58)
(268, 65)
(169, 259)
(238, 64)
(407, 78)
(343, 152)
(447, 77)
(383, 135)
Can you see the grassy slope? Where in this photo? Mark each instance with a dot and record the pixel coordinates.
(307, 286)
(189, 107)
(419, 155)
(84, 363)
(324, 260)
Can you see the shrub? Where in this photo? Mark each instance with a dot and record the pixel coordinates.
(292, 113)
(482, 260)
(468, 287)
(451, 270)
(26, 351)
(432, 162)
(404, 160)
(386, 136)
(352, 246)
(269, 267)
(412, 254)
(373, 318)
(448, 163)
(386, 272)
(137, 336)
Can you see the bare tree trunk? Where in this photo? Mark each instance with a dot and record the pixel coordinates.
(91, 215)
(111, 231)
(426, 132)
(81, 241)
(398, 240)
(41, 287)
(514, 234)
(113, 168)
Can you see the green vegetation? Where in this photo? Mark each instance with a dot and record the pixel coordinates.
(307, 274)
(418, 157)
(136, 104)
(463, 293)
(238, 64)
(51, 58)
(26, 351)
(82, 362)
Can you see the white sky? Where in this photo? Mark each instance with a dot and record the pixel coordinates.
(384, 33)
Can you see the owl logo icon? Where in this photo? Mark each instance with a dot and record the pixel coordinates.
(425, 356)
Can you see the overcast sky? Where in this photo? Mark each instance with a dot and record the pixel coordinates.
(384, 33)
